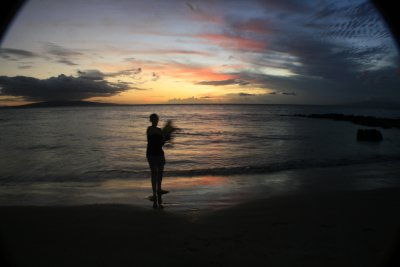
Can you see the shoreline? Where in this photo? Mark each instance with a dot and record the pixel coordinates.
(200, 194)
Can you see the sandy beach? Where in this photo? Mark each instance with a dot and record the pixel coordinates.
(341, 226)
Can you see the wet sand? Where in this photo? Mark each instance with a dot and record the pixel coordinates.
(349, 228)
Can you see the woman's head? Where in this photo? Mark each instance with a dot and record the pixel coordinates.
(154, 118)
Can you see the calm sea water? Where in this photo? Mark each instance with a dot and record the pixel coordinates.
(100, 143)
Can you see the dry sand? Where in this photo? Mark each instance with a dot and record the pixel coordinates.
(346, 228)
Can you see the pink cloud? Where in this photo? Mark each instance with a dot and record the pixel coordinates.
(254, 25)
(190, 72)
(197, 73)
(174, 52)
(234, 42)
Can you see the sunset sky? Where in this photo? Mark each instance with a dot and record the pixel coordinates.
(143, 52)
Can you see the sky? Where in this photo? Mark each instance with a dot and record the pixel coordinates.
(209, 51)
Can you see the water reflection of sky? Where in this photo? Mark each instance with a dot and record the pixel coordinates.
(205, 193)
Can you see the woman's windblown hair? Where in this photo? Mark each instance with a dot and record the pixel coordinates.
(168, 131)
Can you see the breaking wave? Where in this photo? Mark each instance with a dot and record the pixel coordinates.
(106, 174)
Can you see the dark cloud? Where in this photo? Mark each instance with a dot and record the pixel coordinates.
(94, 75)
(155, 76)
(333, 50)
(57, 50)
(356, 10)
(131, 86)
(191, 6)
(67, 62)
(245, 94)
(224, 82)
(15, 54)
(52, 52)
(129, 72)
(281, 93)
(98, 75)
(349, 21)
(329, 70)
(323, 46)
(61, 54)
(353, 86)
(321, 59)
(61, 87)
(288, 93)
(23, 67)
(88, 83)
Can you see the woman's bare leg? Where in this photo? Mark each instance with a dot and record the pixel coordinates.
(154, 182)
(160, 173)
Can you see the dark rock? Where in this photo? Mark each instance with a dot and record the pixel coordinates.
(385, 123)
(370, 135)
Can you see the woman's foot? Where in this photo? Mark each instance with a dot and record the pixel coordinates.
(159, 198)
(154, 199)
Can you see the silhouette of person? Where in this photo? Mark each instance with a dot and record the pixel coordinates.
(155, 157)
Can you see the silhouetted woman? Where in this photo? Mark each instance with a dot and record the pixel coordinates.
(155, 157)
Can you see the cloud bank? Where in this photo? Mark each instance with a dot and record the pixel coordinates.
(61, 87)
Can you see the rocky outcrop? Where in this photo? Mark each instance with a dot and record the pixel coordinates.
(361, 120)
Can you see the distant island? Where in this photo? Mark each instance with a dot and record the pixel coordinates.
(52, 104)
(361, 120)
(81, 103)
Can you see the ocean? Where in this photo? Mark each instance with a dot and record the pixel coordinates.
(91, 143)
(102, 144)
